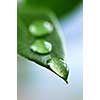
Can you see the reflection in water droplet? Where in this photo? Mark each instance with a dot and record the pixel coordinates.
(41, 46)
(59, 67)
(40, 28)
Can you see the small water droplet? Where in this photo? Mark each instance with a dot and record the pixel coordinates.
(40, 28)
(41, 46)
(59, 67)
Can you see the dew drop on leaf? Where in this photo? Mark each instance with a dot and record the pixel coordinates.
(40, 28)
(59, 67)
(41, 46)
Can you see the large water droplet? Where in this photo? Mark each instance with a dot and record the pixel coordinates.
(41, 46)
(40, 28)
(59, 67)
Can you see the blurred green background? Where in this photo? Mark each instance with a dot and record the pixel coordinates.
(59, 7)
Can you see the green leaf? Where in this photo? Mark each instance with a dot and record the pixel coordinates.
(27, 16)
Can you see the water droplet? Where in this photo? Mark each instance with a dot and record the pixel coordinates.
(59, 67)
(40, 28)
(41, 46)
